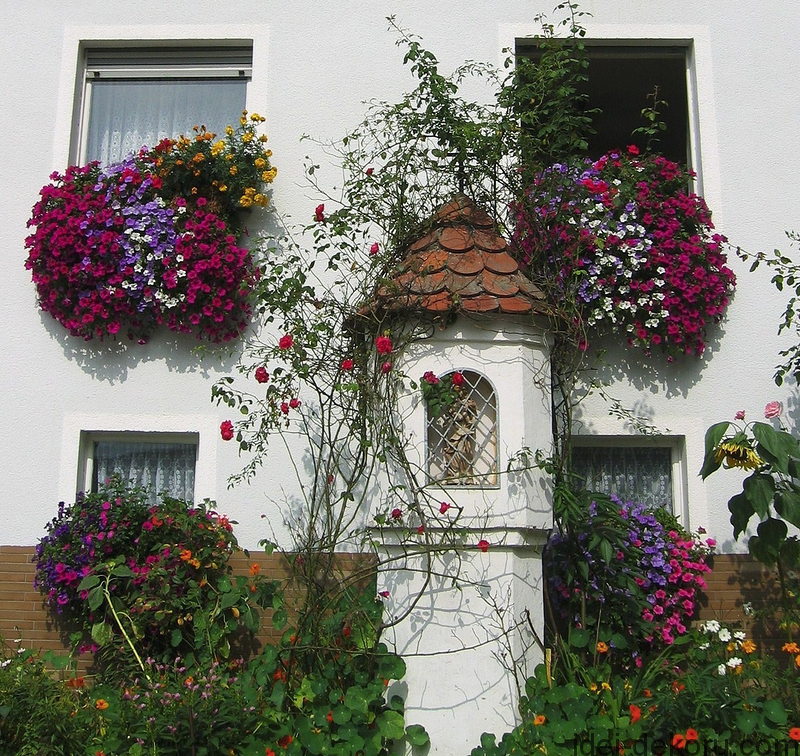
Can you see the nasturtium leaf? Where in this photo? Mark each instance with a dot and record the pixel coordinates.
(177, 637)
(391, 724)
(775, 711)
(417, 736)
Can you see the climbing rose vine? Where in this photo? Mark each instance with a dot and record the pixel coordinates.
(626, 243)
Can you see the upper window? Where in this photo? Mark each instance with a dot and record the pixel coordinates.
(621, 80)
(646, 474)
(462, 439)
(138, 96)
(160, 462)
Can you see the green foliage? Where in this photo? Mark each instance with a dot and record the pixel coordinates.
(148, 581)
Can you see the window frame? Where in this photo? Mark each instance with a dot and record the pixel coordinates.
(678, 467)
(152, 61)
(76, 39)
(703, 152)
(88, 438)
(455, 486)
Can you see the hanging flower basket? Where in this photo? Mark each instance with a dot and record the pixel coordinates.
(626, 247)
(121, 249)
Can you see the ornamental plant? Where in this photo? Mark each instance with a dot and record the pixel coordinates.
(628, 247)
(628, 575)
(147, 581)
(120, 249)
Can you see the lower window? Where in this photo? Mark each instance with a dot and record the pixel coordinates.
(647, 474)
(159, 462)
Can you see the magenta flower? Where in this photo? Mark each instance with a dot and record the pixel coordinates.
(226, 430)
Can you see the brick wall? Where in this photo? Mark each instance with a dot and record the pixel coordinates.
(23, 615)
(734, 581)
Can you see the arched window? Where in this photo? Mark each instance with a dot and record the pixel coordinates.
(462, 431)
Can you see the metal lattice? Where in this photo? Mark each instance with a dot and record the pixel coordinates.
(462, 440)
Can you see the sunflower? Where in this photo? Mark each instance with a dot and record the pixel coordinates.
(737, 453)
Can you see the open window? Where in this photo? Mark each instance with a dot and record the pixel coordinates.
(621, 79)
(136, 96)
(462, 439)
(160, 462)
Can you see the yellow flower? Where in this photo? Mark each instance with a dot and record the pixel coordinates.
(245, 201)
(101, 704)
(605, 686)
(198, 158)
(267, 153)
(593, 687)
(243, 121)
(229, 130)
(262, 138)
(217, 147)
(186, 555)
(748, 646)
(260, 163)
(268, 176)
(247, 137)
(234, 170)
(261, 200)
(737, 454)
(256, 118)
(223, 187)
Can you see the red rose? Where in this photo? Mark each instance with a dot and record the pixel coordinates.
(262, 376)
(383, 594)
(319, 213)
(386, 367)
(370, 171)
(373, 250)
(457, 379)
(383, 344)
(633, 149)
(430, 377)
(284, 408)
(294, 403)
(483, 545)
(444, 507)
(226, 430)
(397, 514)
(347, 364)
(286, 342)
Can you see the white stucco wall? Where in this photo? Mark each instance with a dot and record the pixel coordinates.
(314, 65)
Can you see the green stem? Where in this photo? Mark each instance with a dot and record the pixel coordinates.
(125, 635)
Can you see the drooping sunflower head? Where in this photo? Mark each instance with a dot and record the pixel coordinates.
(737, 452)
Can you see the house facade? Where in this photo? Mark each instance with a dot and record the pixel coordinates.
(70, 70)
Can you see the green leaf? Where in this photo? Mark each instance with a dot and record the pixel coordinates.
(176, 638)
(357, 699)
(279, 619)
(122, 570)
(579, 638)
(774, 710)
(779, 444)
(417, 736)
(759, 489)
(391, 725)
(787, 505)
(89, 582)
(714, 435)
(741, 511)
(101, 633)
(96, 597)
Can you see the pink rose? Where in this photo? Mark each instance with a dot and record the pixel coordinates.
(739, 415)
(773, 409)
(319, 213)
(373, 250)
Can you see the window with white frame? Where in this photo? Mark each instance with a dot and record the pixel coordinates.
(160, 462)
(621, 78)
(136, 96)
(647, 471)
(462, 438)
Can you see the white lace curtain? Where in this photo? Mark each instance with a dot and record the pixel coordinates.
(634, 473)
(167, 467)
(125, 115)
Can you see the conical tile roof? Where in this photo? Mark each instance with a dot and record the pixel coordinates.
(461, 264)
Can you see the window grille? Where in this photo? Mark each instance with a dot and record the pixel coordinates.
(462, 439)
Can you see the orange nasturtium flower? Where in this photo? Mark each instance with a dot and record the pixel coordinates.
(678, 740)
(602, 647)
(692, 735)
(636, 713)
(255, 568)
(101, 704)
(794, 733)
(539, 719)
